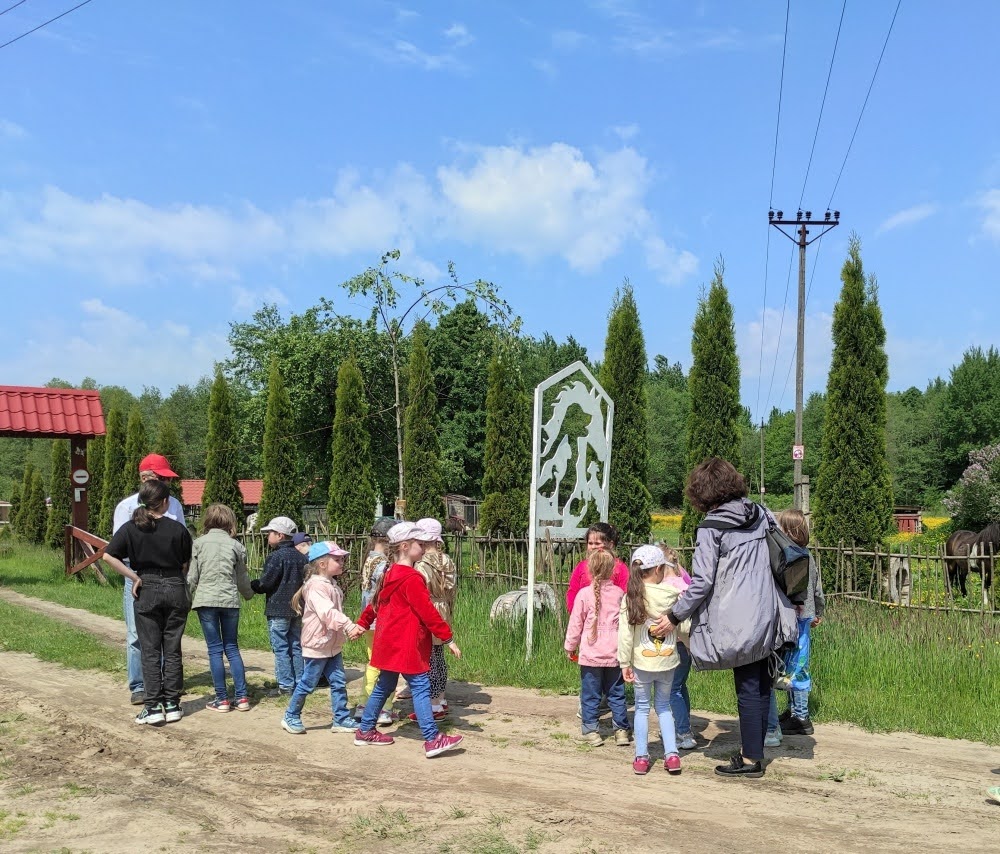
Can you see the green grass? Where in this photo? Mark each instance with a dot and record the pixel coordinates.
(936, 673)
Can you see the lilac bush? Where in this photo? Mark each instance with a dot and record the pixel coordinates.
(974, 501)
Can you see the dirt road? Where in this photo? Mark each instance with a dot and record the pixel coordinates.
(77, 775)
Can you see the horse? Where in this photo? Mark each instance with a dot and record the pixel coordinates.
(968, 550)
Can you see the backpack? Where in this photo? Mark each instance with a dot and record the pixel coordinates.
(789, 561)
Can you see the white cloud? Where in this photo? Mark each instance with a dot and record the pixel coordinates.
(908, 216)
(459, 36)
(626, 132)
(540, 202)
(246, 300)
(409, 54)
(12, 130)
(568, 40)
(990, 204)
(546, 67)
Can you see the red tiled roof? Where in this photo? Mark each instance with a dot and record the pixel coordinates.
(192, 490)
(49, 413)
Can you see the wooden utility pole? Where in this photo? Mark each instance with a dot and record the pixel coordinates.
(802, 240)
(761, 460)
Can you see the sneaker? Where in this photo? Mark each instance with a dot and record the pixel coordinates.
(592, 738)
(994, 792)
(672, 763)
(220, 706)
(641, 764)
(280, 692)
(388, 718)
(439, 714)
(373, 737)
(686, 741)
(359, 712)
(739, 767)
(243, 704)
(404, 693)
(773, 738)
(622, 738)
(138, 698)
(784, 716)
(797, 726)
(441, 744)
(292, 725)
(335, 727)
(172, 711)
(152, 715)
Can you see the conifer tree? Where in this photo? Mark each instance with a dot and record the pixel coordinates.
(25, 494)
(623, 375)
(507, 464)
(714, 388)
(116, 485)
(136, 443)
(221, 474)
(421, 450)
(95, 491)
(852, 502)
(15, 506)
(60, 491)
(168, 444)
(33, 513)
(282, 493)
(352, 491)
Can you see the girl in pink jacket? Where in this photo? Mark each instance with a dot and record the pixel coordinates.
(593, 629)
(325, 627)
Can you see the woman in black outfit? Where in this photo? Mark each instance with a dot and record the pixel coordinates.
(158, 550)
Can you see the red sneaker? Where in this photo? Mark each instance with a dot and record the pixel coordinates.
(372, 737)
(441, 744)
(641, 765)
(438, 715)
(673, 764)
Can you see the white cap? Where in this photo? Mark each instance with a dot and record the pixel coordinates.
(648, 557)
(431, 528)
(281, 525)
(403, 531)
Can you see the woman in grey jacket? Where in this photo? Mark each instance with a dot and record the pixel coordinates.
(738, 617)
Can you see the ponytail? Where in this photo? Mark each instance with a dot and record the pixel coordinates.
(601, 565)
(151, 494)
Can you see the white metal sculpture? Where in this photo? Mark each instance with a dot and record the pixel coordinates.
(570, 463)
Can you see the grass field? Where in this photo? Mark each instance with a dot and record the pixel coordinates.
(936, 673)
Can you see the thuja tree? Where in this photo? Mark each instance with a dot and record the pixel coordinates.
(60, 491)
(136, 443)
(168, 444)
(282, 494)
(221, 474)
(853, 497)
(116, 485)
(421, 450)
(24, 494)
(33, 513)
(714, 388)
(352, 490)
(507, 461)
(95, 489)
(623, 375)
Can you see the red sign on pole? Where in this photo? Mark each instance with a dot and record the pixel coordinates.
(798, 452)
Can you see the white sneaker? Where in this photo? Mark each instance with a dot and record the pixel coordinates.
(339, 728)
(686, 741)
(385, 718)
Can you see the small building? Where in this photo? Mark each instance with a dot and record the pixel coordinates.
(908, 520)
(193, 490)
(461, 508)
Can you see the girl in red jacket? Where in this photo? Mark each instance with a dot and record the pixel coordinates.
(402, 644)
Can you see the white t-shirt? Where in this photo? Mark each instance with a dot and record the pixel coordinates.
(127, 506)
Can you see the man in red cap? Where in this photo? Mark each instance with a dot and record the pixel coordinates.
(152, 467)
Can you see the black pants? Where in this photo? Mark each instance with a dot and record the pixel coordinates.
(160, 616)
(753, 700)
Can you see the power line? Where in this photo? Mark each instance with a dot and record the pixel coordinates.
(865, 104)
(36, 29)
(781, 325)
(822, 104)
(19, 3)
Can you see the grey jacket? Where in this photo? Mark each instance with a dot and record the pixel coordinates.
(218, 574)
(737, 614)
(815, 603)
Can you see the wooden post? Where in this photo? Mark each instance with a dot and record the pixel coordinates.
(80, 484)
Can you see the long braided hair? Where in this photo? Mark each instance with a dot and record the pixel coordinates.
(601, 566)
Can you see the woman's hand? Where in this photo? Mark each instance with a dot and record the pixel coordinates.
(136, 584)
(628, 674)
(662, 627)
(455, 651)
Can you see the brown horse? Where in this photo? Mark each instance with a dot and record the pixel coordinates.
(967, 550)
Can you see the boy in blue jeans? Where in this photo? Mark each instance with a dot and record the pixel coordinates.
(281, 578)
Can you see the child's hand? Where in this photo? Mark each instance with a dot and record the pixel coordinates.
(571, 655)
(816, 621)
(628, 674)
(455, 651)
(355, 633)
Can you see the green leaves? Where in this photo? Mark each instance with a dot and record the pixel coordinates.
(221, 465)
(421, 451)
(507, 465)
(282, 495)
(351, 507)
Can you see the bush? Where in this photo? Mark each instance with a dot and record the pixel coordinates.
(975, 500)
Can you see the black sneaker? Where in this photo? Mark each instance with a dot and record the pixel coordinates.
(784, 716)
(172, 711)
(797, 726)
(138, 698)
(739, 767)
(153, 715)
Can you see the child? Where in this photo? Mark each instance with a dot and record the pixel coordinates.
(324, 629)
(648, 661)
(281, 578)
(372, 570)
(676, 576)
(302, 541)
(600, 536)
(439, 571)
(796, 721)
(217, 579)
(402, 644)
(593, 629)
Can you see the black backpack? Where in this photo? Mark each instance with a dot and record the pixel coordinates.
(789, 560)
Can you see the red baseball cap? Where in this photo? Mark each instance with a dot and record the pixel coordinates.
(157, 464)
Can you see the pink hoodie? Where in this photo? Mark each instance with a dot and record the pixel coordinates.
(603, 650)
(323, 621)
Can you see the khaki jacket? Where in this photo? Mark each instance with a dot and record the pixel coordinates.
(218, 574)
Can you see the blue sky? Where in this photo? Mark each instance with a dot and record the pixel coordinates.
(166, 168)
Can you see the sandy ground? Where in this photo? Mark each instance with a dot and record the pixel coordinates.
(77, 775)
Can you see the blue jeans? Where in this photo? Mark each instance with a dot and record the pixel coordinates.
(133, 655)
(658, 687)
(286, 643)
(420, 689)
(220, 625)
(596, 682)
(333, 670)
(680, 701)
(798, 703)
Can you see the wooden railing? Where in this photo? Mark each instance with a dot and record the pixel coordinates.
(82, 549)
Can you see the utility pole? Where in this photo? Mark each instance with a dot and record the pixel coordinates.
(802, 240)
(761, 460)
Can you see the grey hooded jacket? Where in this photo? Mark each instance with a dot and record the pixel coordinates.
(737, 614)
